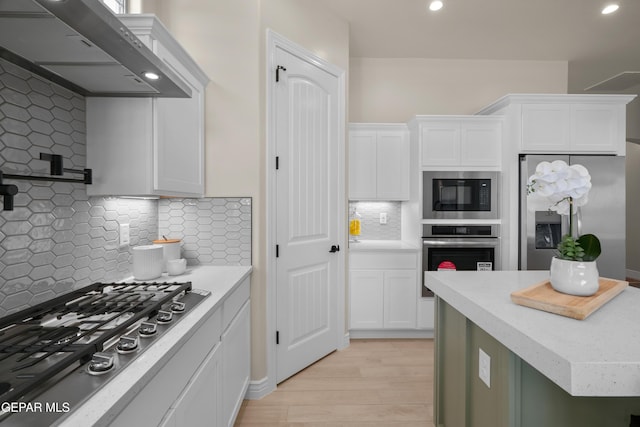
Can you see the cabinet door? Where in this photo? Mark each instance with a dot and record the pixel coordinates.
(365, 298)
(179, 136)
(594, 128)
(425, 315)
(201, 401)
(480, 144)
(545, 127)
(440, 144)
(362, 165)
(119, 135)
(236, 359)
(392, 166)
(400, 297)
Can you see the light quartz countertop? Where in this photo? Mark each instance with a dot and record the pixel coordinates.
(108, 401)
(598, 356)
(382, 245)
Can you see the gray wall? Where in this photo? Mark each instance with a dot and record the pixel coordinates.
(57, 238)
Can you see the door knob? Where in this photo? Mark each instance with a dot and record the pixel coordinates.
(335, 248)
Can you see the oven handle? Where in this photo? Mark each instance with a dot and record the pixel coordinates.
(479, 243)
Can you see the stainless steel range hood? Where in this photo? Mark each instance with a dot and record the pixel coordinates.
(83, 46)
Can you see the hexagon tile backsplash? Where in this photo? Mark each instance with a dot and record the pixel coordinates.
(213, 231)
(57, 238)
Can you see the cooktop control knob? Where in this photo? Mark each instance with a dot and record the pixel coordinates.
(101, 363)
(147, 329)
(164, 316)
(127, 345)
(177, 307)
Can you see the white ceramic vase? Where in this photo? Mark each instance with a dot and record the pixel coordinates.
(579, 278)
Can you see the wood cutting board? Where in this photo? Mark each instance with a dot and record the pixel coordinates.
(542, 296)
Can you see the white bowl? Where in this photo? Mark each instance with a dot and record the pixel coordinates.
(176, 266)
(171, 249)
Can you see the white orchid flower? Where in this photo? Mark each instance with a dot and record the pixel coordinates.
(559, 185)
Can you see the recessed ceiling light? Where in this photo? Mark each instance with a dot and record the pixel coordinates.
(151, 76)
(435, 5)
(610, 8)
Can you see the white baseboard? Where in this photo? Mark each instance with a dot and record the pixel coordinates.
(389, 333)
(258, 389)
(633, 274)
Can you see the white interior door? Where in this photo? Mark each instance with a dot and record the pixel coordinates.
(307, 147)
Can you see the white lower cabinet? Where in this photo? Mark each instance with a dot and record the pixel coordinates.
(383, 291)
(367, 299)
(399, 299)
(236, 359)
(205, 380)
(200, 402)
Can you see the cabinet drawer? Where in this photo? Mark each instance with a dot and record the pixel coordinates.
(383, 260)
(234, 302)
(172, 377)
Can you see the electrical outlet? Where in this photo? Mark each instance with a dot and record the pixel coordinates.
(124, 235)
(383, 218)
(484, 367)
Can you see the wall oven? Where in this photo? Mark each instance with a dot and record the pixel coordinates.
(459, 247)
(459, 195)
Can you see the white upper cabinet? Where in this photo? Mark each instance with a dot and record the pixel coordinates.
(565, 123)
(378, 162)
(150, 146)
(440, 142)
(362, 165)
(458, 142)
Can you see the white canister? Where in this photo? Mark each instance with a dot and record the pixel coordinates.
(171, 249)
(147, 262)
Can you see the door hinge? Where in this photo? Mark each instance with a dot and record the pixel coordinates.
(278, 68)
(277, 162)
(277, 337)
(277, 251)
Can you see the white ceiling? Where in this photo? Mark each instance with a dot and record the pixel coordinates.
(567, 30)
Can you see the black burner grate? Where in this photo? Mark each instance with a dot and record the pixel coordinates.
(38, 343)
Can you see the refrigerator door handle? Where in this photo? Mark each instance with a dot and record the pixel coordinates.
(579, 221)
(564, 225)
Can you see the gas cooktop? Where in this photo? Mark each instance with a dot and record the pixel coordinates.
(78, 341)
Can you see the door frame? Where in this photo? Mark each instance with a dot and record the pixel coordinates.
(274, 41)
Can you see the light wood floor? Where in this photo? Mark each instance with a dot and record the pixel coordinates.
(371, 383)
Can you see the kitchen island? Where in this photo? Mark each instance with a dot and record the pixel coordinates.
(539, 369)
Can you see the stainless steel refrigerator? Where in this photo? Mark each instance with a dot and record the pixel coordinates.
(603, 215)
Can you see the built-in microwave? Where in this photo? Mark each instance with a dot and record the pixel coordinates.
(460, 195)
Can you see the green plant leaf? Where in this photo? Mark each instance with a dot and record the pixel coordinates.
(591, 247)
(569, 249)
